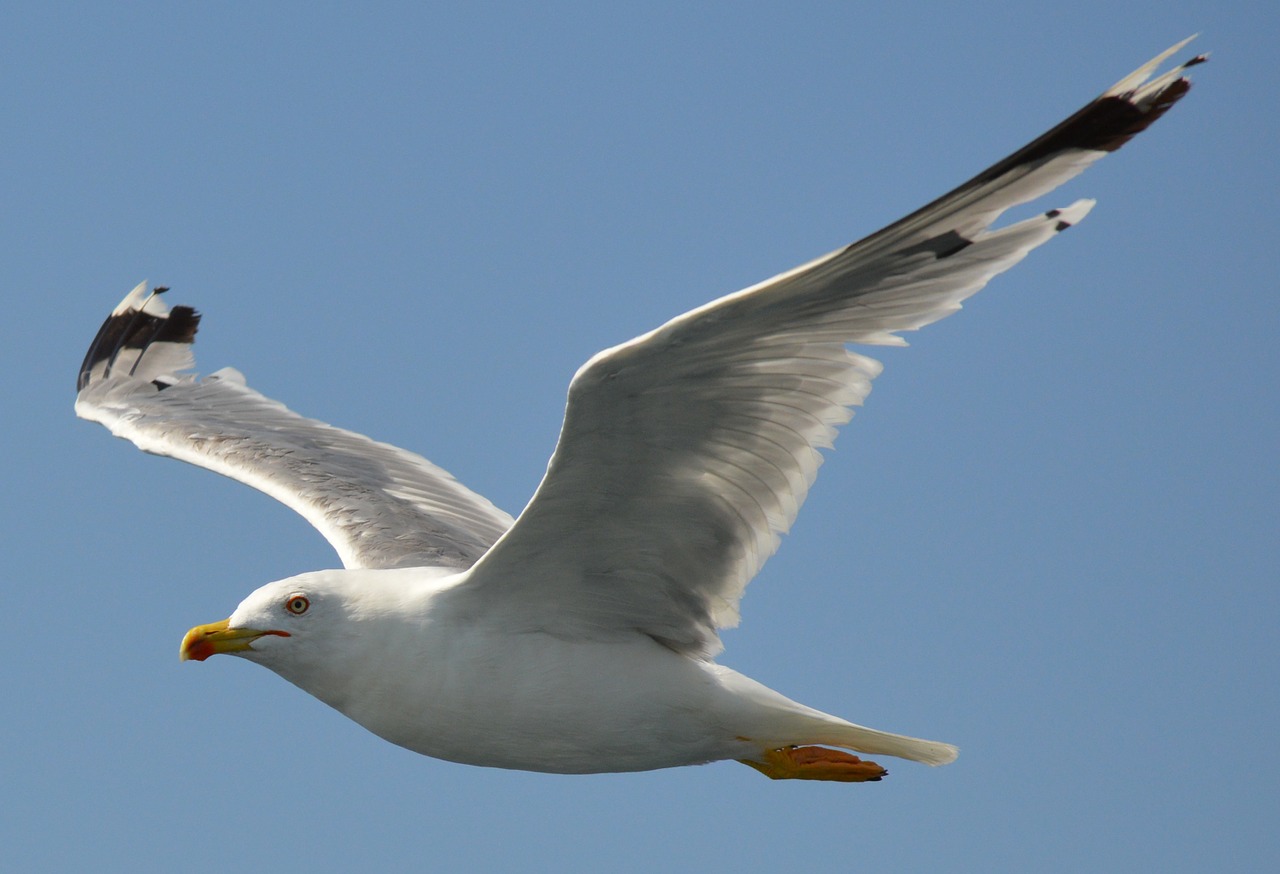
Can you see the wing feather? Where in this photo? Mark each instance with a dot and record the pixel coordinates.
(686, 452)
(379, 506)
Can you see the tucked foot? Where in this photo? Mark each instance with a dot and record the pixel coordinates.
(815, 763)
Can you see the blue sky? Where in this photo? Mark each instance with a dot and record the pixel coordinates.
(1049, 537)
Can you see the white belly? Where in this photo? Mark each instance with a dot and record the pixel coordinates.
(535, 702)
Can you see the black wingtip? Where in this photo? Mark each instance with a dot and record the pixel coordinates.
(180, 327)
(136, 329)
(1102, 125)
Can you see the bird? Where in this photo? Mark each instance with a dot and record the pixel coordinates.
(582, 636)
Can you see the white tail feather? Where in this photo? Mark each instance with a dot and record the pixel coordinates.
(861, 739)
(774, 720)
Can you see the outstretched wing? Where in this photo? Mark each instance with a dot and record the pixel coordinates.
(378, 506)
(686, 452)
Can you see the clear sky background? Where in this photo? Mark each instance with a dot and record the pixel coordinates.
(1050, 537)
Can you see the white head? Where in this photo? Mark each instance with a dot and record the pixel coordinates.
(304, 627)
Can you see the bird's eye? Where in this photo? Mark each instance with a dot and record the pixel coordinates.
(297, 604)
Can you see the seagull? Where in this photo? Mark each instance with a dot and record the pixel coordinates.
(581, 636)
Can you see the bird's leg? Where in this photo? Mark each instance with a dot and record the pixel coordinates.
(815, 763)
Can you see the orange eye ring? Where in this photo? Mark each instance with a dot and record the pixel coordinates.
(297, 604)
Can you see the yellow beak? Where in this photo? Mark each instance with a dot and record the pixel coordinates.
(206, 640)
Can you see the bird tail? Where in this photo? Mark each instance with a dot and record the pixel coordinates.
(774, 721)
(838, 733)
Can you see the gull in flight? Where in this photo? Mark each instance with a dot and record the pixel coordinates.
(581, 636)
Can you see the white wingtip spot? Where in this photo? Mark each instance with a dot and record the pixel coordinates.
(1134, 80)
(1074, 213)
(143, 300)
(132, 300)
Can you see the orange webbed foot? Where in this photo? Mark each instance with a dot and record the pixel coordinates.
(815, 763)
